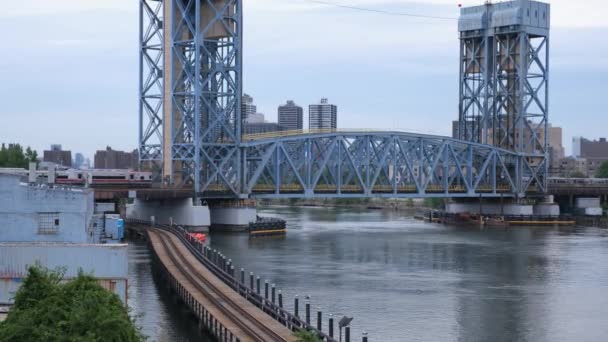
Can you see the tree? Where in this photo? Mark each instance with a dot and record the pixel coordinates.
(577, 174)
(14, 156)
(602, 172)
(306, 336)
(47, 309)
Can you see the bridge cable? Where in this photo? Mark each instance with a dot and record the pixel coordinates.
(379, 11)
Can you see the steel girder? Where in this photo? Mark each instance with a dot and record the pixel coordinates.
(205, 80)
(504, 97)
(389, 164)
(151, 84)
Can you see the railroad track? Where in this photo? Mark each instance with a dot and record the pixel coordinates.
(253, 327)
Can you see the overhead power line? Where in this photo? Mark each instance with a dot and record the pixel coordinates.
(386, 12)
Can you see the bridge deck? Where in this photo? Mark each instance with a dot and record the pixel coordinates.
(241, 318)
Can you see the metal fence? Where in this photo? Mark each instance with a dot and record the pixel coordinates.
(264, 296)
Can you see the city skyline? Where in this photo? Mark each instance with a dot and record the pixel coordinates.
(90, 69)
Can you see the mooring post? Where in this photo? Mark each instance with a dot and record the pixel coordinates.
(280, 299)
(243, 276)
(347, 334)
(251, 281)
(331, 325)
(266, 289)
(307, 311)
(296, 306)
(258, 284)
(364, 337)
(273, 296)
(319, 319)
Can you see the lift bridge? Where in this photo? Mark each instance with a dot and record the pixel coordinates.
(191, 78)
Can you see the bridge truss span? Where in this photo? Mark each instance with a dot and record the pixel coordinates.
(383, 164)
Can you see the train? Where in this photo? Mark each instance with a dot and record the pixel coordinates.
(574, 181)
(96, 178)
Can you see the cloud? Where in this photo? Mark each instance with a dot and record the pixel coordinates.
(72, 65)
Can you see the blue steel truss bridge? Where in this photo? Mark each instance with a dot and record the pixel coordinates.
(191, 72)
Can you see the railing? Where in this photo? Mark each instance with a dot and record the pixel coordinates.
(431, 189)
(272, 300)
(291, 133)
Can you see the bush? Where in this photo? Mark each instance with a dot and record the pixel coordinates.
(306, 336)
(46, 309)
(602, 172)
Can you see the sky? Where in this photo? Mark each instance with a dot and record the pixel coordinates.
(69, 68)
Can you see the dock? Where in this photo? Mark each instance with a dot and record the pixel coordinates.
(226, 314)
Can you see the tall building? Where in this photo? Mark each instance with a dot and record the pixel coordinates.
(58, 156)
(585, 148)
(255, 118)
(248, 108)
(79, 161)
(260, 128)
(291, 116)
(556, 147)
(587, 158)
(110, 159)
(323, 115)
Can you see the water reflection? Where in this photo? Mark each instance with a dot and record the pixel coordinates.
(159, 314)
(404, 280)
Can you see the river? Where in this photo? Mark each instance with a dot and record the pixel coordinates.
(405, 280)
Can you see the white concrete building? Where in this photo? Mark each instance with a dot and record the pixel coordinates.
(54, 226)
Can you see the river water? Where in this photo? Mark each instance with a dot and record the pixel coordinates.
(405, 280)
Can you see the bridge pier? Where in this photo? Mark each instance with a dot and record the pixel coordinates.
(546, 207)
(232, 215)
(174, 211)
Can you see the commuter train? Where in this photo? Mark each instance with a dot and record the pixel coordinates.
(581, 181)
(104, 178)
(95, 178)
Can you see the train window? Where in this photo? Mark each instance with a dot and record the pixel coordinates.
(141, 178)
(132, 177)
(80, 176)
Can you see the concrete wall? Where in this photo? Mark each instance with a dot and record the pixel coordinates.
(591, 202)
(232, 217)
(107, 263)
(490, 209)
(182, 211)
(22, 206)
(547, 209)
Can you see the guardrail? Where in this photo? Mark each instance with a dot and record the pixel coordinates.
(271, 302)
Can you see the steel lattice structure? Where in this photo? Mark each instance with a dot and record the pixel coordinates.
(190, 119)
(382, 164)
(190, 91)
(504, 75)
(151, 83)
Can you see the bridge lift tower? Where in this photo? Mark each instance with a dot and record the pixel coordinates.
(504, 83)
(190, 92)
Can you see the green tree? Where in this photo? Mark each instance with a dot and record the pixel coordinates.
(306, 336)
(602, 172)
(577, 174)
(46, 309)
(13, 155)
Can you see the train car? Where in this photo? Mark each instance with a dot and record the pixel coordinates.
(105, 178)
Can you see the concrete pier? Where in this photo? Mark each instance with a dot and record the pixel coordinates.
(177, 211)
(545, 207)
(232, 215)
(508, 209)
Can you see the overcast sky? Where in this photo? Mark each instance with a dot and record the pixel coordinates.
(69, 67)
